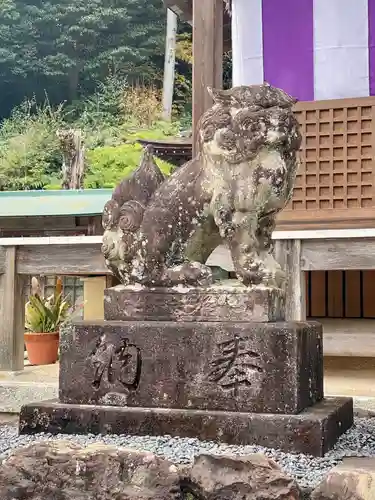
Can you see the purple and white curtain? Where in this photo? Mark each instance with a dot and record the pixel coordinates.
(313, 49)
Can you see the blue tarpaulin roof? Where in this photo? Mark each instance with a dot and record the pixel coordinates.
(44, 203)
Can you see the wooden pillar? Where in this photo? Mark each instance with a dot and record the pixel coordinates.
(93, 296)
(12, 312)
(207, 55)
(288, 254)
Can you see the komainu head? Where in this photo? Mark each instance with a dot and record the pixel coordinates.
(246, 119)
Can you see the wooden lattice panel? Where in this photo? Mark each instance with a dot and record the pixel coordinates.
(340, 294)
(336, 175)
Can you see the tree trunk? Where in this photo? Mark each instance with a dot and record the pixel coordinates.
(73, 81)
(73, 166)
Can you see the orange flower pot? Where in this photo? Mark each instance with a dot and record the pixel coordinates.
(42, 348)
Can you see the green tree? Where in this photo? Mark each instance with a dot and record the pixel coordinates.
(84, 40)
(65, 47)
(18, 54)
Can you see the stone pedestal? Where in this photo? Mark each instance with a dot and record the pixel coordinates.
(246, 367)
(226, 301)
(237, 378)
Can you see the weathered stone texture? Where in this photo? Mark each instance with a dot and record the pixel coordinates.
(354, 479)
(63, 470)
(233, 190)
(313, 431)
(252, 477)
(226, 301)
(247, 367)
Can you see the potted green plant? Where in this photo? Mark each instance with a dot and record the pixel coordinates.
(43, 318)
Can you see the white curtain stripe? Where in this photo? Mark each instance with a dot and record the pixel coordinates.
(247, 42)
(341, 55)
(340, 47)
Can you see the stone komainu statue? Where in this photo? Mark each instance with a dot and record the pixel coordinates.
(159, 232)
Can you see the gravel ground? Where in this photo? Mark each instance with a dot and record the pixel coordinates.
(307, 470)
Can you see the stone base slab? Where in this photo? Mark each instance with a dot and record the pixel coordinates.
(312, 432)
(225, 301)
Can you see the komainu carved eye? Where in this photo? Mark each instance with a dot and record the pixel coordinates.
(226, 139)
(247, 119)
(208, 133)
(212, 120)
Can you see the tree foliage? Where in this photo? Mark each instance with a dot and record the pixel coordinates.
(91, 65)
(64, 48)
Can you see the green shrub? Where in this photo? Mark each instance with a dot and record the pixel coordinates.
(109, 165)
(29, 148)
(45, 314)
(111, 121)
(100, 116)
(141, 105)
(112, 151)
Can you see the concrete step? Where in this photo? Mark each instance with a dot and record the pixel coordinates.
(34, 383)
(15, 394)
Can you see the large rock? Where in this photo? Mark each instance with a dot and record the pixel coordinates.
(354, 479)
(65, 471)
(62, 470)
(252, 477)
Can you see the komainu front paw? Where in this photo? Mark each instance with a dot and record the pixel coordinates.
(263, 270)
(274, 279)
(250, 277)
(189, 273)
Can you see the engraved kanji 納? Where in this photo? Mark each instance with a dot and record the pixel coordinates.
(122, 363)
